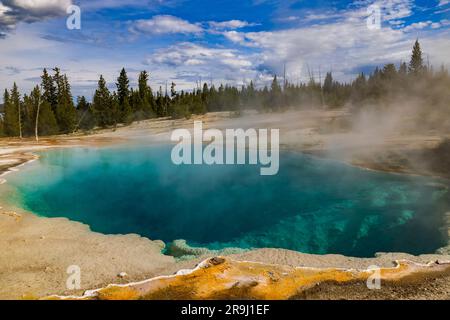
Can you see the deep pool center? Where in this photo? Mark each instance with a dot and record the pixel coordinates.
(312, 205)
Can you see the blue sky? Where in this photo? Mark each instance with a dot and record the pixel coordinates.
(235, 41)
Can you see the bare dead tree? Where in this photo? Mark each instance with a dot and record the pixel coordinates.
(20, 121)
(36, 127)
(321, 87)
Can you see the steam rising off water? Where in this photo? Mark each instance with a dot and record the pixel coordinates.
(312, 205)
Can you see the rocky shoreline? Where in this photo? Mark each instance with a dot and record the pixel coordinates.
(225, 278)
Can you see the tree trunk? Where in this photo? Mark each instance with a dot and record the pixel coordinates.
(20, 122)
(36, 128)
(79, 122)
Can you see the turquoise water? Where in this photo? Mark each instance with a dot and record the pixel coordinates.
(312, 205)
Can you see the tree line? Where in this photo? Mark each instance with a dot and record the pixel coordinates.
(50, 108)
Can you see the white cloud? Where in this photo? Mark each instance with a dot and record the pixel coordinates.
(390, 9)
(396, 22)
(440, 24)
(231, 24)
(3, 9)
(342, 46)
(5, 20)
(108, 4)
(435, 25)
(41, 7)
(187, 53)
(443, 2)
(425, 24)
(321, 16)
(418, 26)
(165, 24)
(14, 11)
(436, 49)
(234, 36)
(397, 9)
(28, 53)
(188, 62)
(288, 19)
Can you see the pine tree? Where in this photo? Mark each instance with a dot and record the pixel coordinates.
(161, 104)
(275, 95)
(328, 83)
(82, 104)
(251, 101)
(102, 105)
(115, 110)
(30, 104)
(27, 115)
(330, 91)
(143, 84)
(359, 89)
(2, 119)
(146, 96)
(5, 99)
(136, 105)
(2, 127)
(10, 119)
(389, 72)
(123, 95)
(85, 116)
(403, 70)
(173, 91)
(15, 97)
(49, 90)
(416, 66)
(65, 111)
(127, 112)
(204, 99)
(123, 90)
(13, 125)
(36, 101)
(47, 122)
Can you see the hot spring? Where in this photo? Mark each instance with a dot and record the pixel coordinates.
(312, 205)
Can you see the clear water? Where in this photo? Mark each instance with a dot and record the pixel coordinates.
(312, 205)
